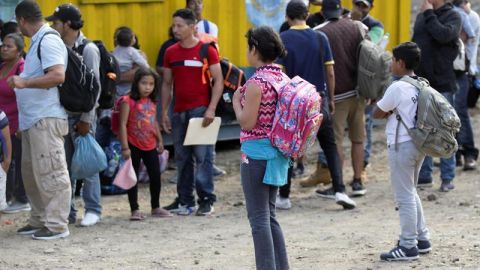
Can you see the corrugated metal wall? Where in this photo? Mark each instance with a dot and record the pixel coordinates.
(150, 21)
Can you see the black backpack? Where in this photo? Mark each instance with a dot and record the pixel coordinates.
(109, 74)
(233, 78)
(79, 91)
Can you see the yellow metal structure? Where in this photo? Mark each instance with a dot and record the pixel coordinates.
(150, 21)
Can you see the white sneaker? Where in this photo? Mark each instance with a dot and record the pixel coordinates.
(343, 200)
(89, 219)
(283, 203)
(17, 207)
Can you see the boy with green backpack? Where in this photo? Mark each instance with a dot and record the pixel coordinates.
(399, 104)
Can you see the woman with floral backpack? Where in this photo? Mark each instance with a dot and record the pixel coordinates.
(263, 167)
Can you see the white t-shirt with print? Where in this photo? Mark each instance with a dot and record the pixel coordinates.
(401, 97)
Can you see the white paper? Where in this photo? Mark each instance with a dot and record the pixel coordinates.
(198, 135)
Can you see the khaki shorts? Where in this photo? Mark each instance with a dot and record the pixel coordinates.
(350, 113)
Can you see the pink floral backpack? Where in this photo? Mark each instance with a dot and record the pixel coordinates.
(297, 117)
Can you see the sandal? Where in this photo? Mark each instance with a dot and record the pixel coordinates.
(137, 216)
(161, 213)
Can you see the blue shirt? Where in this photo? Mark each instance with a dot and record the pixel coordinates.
(305, 57)
(277, 165)
(35, 103)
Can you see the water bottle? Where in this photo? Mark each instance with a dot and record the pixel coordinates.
(112, 165)
(384, 41)
(226, 98)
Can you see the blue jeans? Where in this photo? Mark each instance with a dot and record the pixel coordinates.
(91, 191)
(447, 165)
(368, 129)
(466, 144)
(194, 162)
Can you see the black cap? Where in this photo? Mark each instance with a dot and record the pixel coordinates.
(331, 9)
(368, 3)
(65, 12)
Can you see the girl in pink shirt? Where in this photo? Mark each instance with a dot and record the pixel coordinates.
(141, 138)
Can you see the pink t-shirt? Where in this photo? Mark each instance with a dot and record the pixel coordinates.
(268, 103)
(8, 99)
(141, 131)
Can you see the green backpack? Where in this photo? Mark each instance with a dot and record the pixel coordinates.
(373, 74)
(437, 123)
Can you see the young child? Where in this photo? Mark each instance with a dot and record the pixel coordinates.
(5, 159)
(405, 159)
(141, 138)
(127, 56)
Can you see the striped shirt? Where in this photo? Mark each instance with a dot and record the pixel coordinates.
(268, 103)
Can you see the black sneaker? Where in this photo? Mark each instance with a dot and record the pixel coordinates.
(46, 234)
(425, 182)
(28, 230)
(326, 193)
(357, 188)
(424, 246)
(400, 253)
(205, 208)
(174, 206)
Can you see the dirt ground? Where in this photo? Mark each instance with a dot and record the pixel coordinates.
(319, 234)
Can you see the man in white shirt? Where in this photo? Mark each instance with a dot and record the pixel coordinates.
(203, 25)
(399, 103)
(466, 141)
(43, 125)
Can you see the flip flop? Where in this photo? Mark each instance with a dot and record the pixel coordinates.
(161, 213)
(137, 216)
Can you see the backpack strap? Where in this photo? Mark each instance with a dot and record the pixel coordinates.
(399, 120)
(206, 26)
(40, 43)
(82, 46)
(419, 82)
(204, 58)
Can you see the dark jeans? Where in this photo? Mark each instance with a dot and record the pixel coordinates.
(151, 161)
(194, 162)
(268, 241)
(326, 137)
(15, 188)
(466, 144)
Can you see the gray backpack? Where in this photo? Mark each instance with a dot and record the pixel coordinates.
(437, 123)
(373, 75)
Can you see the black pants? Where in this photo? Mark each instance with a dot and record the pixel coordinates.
(151, 161)
(326, 137)
(15, 188)
(284, 190)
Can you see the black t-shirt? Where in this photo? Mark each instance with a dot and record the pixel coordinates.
(315, 19)
(370, 22)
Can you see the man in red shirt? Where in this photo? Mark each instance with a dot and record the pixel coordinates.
(194, 97)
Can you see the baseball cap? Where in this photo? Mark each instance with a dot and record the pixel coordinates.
(331, 9)
(65, 12)
(368, 3)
